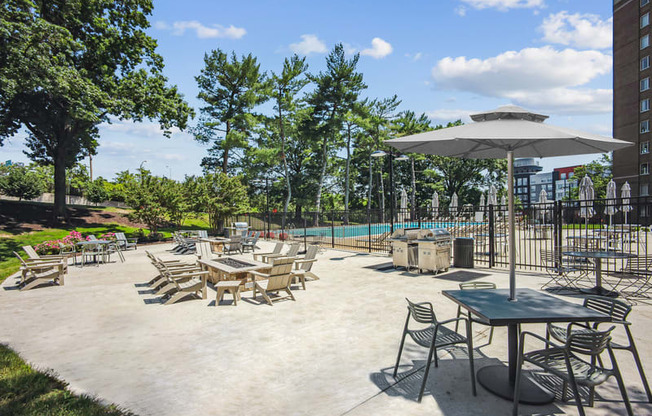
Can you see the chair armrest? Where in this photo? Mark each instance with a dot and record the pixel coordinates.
(189, 274)
(448, 321)
(302, 261)
(539, 337)
(184, 269)
(259, 274)
(42, 265)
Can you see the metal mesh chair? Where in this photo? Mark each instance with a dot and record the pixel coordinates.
(460, 312)
(618, 311)
(434, 335)
(567, 363)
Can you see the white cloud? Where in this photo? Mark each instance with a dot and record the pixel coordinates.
(309, 44)
(502, 5)
(379, 49)
(349, 49)
(460, 11)
(579, 30)
(143, 129)
(414, 57)
(202, 32)
(532, 77)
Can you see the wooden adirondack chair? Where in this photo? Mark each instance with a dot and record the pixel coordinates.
(276, 280)
(36, 274)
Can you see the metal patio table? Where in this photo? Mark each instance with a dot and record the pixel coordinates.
(103, 243)
(494, 307)
(598, 256)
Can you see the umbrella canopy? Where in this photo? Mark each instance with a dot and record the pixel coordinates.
(586, 195)
(404, 198)
(453, 205)
(507, 131)
(543, 200)
(503, 200)
(482, 204)
(493, 196)
(435, 201)
(626, 194)
(610, 203)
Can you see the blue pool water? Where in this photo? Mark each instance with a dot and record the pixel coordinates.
(363, 229)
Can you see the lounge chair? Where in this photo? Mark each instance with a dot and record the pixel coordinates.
(183, 284)
(33, 256)
(277, 249)
(276, 280)
(126, 243)
(169, 266)
(234, 245)
(33, 275)
(377, 242)
(292, 252)
(304, 266)
(250, 243)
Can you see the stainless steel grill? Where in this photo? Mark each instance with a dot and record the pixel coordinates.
(406, 245)
(434, 251)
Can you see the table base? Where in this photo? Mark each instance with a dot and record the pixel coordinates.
(495, 378)
(600, 291)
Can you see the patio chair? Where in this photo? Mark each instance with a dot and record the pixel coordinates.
(276, 280)
(34, 256)
(183, 284)
(202, 234)
(92, 237)
(36, 274)
(204, 250)
(234, 245)
(618, 311)
(94, 251)
(563, 273)
(567, 363)
(126, 243)
(293, 251)
(633, 280)
(277, 249)
(468, 315)
(68, 252)
(435, 335)
(173, 266)
(304, 266)
(250, 243)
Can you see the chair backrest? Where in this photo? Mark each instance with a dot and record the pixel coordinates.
(21, 259)
(311, 254)
(277, 248)
(589, 342)
(422, 312)
(31, 253)
(618, 310)
(281, 266)
(477, 285)
(204, 250)
(294, 250)
(279, 282)
(382, 237)
(92, 237)
(640, 264)
(202, 234)
(120, 237)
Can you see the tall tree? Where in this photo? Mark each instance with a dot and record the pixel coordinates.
(67, 66)
(231, 89)
(285, 87)
(336, 90)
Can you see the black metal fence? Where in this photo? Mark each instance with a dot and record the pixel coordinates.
(555, 226)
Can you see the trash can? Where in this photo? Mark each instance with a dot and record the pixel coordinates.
(463, 252)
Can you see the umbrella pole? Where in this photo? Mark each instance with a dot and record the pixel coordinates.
(512, 227)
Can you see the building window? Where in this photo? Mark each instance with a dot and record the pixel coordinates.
(644, 210)
(645, 126)
(645, 20)
(645, 105)
(644, 2)
(645, 148)
(645, 189)
(645, 41)
(645, 84)
(645, 168)
(645, 63)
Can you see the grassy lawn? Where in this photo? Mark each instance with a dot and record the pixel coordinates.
(25, 391)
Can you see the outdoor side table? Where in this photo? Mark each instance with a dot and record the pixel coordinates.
(494, 307)
(598, 256)
(232, 286)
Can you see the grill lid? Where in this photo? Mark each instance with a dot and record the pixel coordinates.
(424, 234)
(240, 225)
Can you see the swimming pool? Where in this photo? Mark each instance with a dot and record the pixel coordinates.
(344, 231)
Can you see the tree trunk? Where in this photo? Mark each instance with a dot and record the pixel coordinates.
(322, 175)
(347, 180)
(59, 213)
(225, 156)
(414, 192)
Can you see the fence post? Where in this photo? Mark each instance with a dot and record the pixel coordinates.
(369, 226)
(332, 229)
(305, 234)
(492, 251)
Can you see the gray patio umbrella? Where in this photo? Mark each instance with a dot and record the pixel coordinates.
(434, 204)
(452, 208)
(404, 198)
(610, 203)
(626, 194)
(482, 204)
(493, 196)
(586, 195)
(512, 132)
(543, 201)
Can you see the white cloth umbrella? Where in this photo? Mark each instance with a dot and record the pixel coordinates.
(507, 131)
(543, 202)
(493, 196)
(404, 198)
(452, 208)
(503, 203)
(626, 194)
(482, 204)
(610, 203)
(586, 195)
(434, 204)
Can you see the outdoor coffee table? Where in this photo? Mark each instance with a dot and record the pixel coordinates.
(598, 256)
(231, 268)
(494, 307)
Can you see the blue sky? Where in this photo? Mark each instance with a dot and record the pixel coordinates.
(447, 58)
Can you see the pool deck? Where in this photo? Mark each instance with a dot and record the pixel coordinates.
(329, 353)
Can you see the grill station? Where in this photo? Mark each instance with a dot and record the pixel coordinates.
(422, 248)
(237, 228)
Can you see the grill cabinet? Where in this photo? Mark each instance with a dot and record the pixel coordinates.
(423, 248)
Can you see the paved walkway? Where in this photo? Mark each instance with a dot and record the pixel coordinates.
(328, 353)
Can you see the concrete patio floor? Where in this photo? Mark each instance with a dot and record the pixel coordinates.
(329, 353)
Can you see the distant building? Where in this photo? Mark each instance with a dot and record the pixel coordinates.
(565, 182)
(543, 181)
(631, 93)
(523, 169)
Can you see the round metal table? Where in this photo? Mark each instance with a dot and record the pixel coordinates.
(598, 256)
